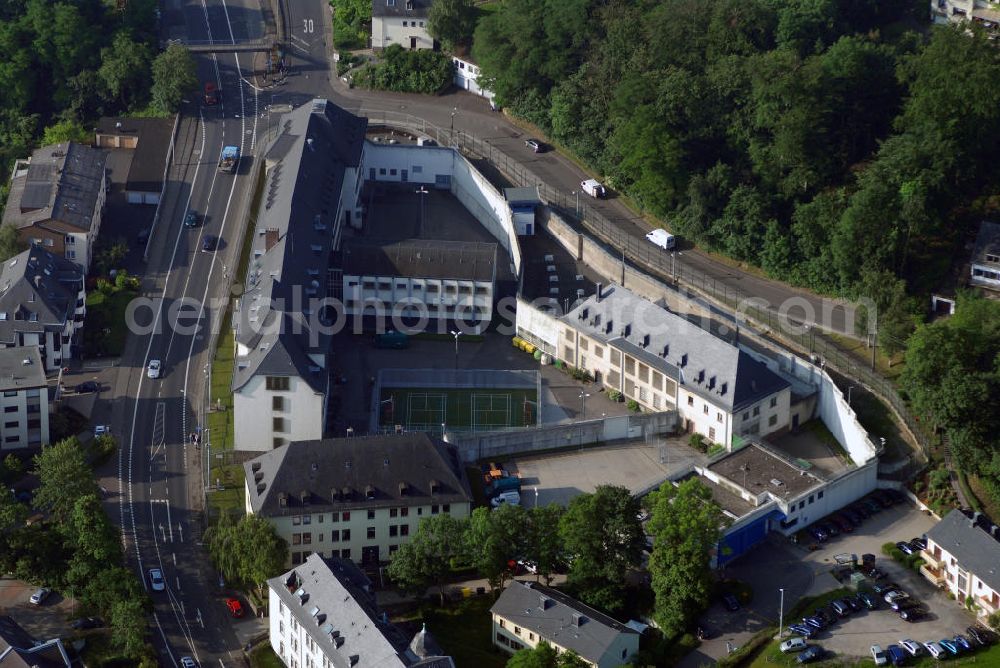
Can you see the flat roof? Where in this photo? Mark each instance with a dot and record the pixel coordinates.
(21, 368)
(150, 154)
(728, 500)
(421, 258)
(757, 470)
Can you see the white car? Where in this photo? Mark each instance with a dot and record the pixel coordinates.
(528, 565)
(593, 188)
(792, 645)
(39, 596)
(153, 370)
(156, 582)
(894, 595)
(935, 649)
(878, 654)
(102, 429)
(912, 646)
(188, 662)
(662, 238)
(510, 497)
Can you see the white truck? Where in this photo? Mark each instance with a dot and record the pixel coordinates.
(593, 188)
(662, 238)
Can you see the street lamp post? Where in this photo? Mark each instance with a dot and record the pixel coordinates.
(456, 335)
(673, 263)
(849, 394)
(583, 398)
(422, 190)
(577, 194)
(451, 134)
(781, 611)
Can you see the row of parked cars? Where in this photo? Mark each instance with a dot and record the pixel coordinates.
(844, 520)
(898, 655)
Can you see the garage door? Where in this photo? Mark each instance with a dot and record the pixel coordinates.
(133, 197)
(151, 198)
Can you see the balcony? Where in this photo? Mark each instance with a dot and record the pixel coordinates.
(935, 575)
(930, 559)
(986, 605)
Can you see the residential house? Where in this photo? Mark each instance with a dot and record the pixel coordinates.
(42, 305)
(284, 318)
(18, 649)
(402, 22)
(985, 272)
(323, 613)
(57, 199)
(423, 284)
(24, 400)
(963, 557)
(982, 12)
(467, 77)
(528, 613)
(149, 141)
(664, 361)
(356, 498)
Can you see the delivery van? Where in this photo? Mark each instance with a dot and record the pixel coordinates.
(662, 238)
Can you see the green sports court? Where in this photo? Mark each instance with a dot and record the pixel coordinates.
(478, 409)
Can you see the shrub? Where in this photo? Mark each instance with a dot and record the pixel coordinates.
(994, 620)
(716, 449)
(403, 71)
(104, 286)
(887, 549)
(633, 406)
(697, 441)
(615, 395)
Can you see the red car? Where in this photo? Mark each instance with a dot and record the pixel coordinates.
(235, 607)
(211, 94)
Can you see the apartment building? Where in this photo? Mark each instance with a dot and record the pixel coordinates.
(985, 269)
(57, 199)
(42, 305)
(528, 613)
(356, 498)
(25, 399)
(983, 12)
(664, 361)
(284, 318)
(423, 284)
(963, 557)
(402, 22)
(323, 614)
(20, 649)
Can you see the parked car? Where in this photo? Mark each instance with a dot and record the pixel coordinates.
(528, 565)
(731, 602)
(842, 524)
(869, 599)
(879, 656)
(949, 645)
(854, 602)
(208, 243)
(842, 608)
(882, 588)
(156, 582)
(792, 645)
(535, 145)
(912, 647)
(829, 528)
(235, 607)
(803, 630)
(814, 622)
(981, 635)
(934, 649)
(188, 662)
(905, 547)
(896, 655)
(813, 653)
(912, 614)
(87, 623)
(919, 543)
(854, 516)
(102, 430)
(963, 642)
(895, 495)
(593, 188)
(906, 603)
(883, 499)
(153, 370)
(818, 533)
(873, 573)
(894, 594)
(872, 505)
(191, 219)
(88, 386)
(826, 615)
(39, 596)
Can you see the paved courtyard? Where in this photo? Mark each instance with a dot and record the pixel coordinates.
(777, 563)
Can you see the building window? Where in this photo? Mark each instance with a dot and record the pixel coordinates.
(773, 420)
(393, 530)
(319, 519)
(296, 520)
(718, 417)
(393, 512)
(434, 509)
(392, 172)
(307, 539)
(296, 539)
(756, 411)
(746, 415)
(307, 519)
(278, 425)
(371, 533)
(278, 403)
(629, 366)
(711, 433)
(820, 495)
(404, 512)
(774, 401)
(346, 554)
(446, 508)
(690, 401)
(810, 499)
(335, 536)
(319, 538)
(296, 558)
(404, 529)
(704, 409)
(277, 383)
(517, 630)
(371, 514)
(347, 517)
(346, 534)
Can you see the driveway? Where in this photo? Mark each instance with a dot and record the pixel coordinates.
(46, 621)
(777, 563)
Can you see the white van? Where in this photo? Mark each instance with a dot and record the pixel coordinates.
(593, 188)
(662, 238)
(510, 497)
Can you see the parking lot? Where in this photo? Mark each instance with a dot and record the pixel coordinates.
(45, 621)
(637, 466)
(807, 570)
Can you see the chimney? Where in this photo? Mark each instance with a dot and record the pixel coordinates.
(578, 619)
(270, 238)
(600, 286)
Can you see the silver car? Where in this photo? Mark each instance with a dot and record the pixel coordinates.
(39, 596)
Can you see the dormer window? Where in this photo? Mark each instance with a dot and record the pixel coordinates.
(409, 5)
(390, 3)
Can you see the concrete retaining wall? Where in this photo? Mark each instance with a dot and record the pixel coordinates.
(495, 445)
(487, 204)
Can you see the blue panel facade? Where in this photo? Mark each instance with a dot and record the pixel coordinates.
(738, 542)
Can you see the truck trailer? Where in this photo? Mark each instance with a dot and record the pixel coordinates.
(230, 156)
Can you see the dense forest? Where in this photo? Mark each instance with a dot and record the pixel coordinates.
(848, 147)
(66, 63)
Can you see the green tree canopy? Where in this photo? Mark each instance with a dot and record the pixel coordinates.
(65, 477)
(248, 551)
(544, 655)
(493, 538)
(451, 22)
(10, 242)
(174, 77)
(426, 560)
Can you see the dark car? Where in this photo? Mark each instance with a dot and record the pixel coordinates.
(870, 600)
(872, 505)
(905, 547)
(854, 602)
(873, 573)
(826, 615)
(208, 243)
(211, 93)
(87, 623)
(191, 219)
(883, 499)
(905, 604)
(842, 523)
(896, 655)
(535, 145)
(813, 653)
(814, 622)
(981, 635)
(830, 528)
(818, 533)
(963, 642)
(854, 516)
(912, 614)
(803, 630)
(842, 608)
(895, 495)
(882, 588)
(142, 237)
(88, 386)
(731, 602)
(919, 543)
(862, 510)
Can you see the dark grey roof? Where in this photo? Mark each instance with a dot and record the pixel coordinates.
(417, 8)
(697, 359)
(520, 196)
(987, 243)
(353, 473)
(424, 645)
(420, 258)
(562, 620)
(38, 292)
(62, 183)
(145, 174)
(342, 620)
(21, 368)
(306, 165)
(974, 549)
(18, 649)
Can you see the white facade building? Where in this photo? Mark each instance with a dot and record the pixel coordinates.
(402, 22)
(963, 557)
(467, 77)
(983, 12)
(24, 401)
(985, 271)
